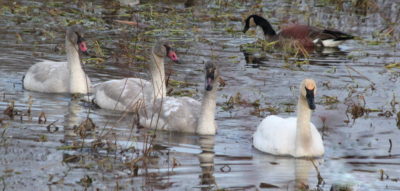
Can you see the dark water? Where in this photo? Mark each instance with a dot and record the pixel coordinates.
(357, 151)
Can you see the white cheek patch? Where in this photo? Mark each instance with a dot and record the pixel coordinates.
(260, 33)
(332, 43)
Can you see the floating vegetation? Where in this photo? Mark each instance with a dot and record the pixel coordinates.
(179, 84)
(85, 128)
(398, 120)
(9, 111)
(234, 100)
(393, 65)
(42, 118)
(181, 93)
(329, 100)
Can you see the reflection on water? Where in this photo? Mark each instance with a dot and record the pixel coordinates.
(206, 160)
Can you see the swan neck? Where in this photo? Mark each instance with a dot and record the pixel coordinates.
(303, 121)
(206, 124)
(158, 76)
(77, 77)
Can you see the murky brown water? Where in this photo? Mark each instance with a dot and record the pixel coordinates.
(357, 151)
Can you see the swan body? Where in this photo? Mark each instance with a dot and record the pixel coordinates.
(61, 77)
(129, 94)
(308, 36)
(185, 114)
(123, 94)
(297, 137)
(173, 114)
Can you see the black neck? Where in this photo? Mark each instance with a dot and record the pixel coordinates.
(263, 23)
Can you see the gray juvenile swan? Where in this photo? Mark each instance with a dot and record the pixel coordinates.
(297, 137)
(124, 94)
(184, 114)
(61, 77)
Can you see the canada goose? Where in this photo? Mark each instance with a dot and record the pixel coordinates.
(307, 36)
(293, 136)
(124, 94)
(61, 77)
(185, 114)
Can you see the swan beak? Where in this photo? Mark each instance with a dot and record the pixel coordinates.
(82, 45)
(209, 84)
(172, 55)
(310, 98)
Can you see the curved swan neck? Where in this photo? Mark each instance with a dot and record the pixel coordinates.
(206, 124)
(158, 76)
(303, 133)
(77, 77)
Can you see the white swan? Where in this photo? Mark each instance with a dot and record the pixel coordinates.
(297, 137)
(61, 77)
(185, 114)
(124, 94)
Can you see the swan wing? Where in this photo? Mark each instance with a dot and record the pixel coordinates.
(172, 114)
(47, 76)
(276, 135)
(122, 94)
(317, 145)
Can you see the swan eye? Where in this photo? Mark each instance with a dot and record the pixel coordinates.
(80, 38)
(167, 48)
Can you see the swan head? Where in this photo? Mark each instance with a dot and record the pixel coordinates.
(308, 89)
(163, 48)
(75, 37)
(212, 74)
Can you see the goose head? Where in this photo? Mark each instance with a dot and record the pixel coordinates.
(162, 49)
(212, 74)
(308, 89)
(255, 20)
(75, 37)
(249, 22)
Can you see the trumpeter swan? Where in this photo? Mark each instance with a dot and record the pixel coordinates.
(297, 137)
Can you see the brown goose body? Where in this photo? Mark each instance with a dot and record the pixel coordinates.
(308, 36)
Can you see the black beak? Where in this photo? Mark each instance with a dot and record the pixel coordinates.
(246, 28)
(310, 98)
(209, 85)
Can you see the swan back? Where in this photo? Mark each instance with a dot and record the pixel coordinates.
(123, 95)
(172, 114)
